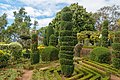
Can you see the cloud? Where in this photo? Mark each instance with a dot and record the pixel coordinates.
(4, 6)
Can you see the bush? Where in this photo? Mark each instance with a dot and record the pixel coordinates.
(67, 48)
(50, 53)
(4, 57)
(100, 54)
(26, 53)
(116, 46)
(66, 56)
(117, 40)
(66, 38)
(35, 57)
(116, 63)
(116, 54)
(16, 49)
(67, 70)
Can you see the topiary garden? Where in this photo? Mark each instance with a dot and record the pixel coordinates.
(75, 45)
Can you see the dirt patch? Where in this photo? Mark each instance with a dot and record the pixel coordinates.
(113, 77)
(27, 75)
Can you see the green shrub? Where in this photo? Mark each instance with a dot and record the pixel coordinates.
(116, 46)
(66, 52)
(34, 57)
(67, 70)
(116, 63)
(66, 38)
(50, 53)
(105, 32)
(4, 57)
(16, 49)
(116, 54)
(26, 53)
(100, 54)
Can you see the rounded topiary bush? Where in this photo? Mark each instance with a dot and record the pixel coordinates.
(101, 54)
(16, 49)
(50, 53)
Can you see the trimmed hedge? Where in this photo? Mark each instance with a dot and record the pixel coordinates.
(100, 54)
(116, 46)
(50, 53)
(67, 70)
(66, 42)
(53, 40)
(117, 34)
(34, 57)
(116, 62)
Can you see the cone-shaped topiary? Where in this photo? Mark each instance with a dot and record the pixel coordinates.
(53, 40)
(35, 53)
(66, 43)
(105, 33)
(116, 52)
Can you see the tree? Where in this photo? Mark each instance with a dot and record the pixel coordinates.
(111, 13)
(3, 24)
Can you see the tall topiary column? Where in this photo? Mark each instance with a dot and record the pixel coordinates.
(35, 52)
(66, 43)
(116, 52)
(105, 34)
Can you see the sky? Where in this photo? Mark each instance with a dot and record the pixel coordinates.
(45, 10)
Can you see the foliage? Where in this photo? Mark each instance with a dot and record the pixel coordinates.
(66, 41)
(53, 40)
(26, 53)
(100, 54)
(10, 74)
(111, 13)
(35, 52)
(49, 32)
(16, 49)
(116, 62)
(4, 57)
(105, 33)
(50, 53)
(116, 50)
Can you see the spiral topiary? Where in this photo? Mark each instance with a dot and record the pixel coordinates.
(116, 52)
(105, 33)
(35, 52)
(66, 43)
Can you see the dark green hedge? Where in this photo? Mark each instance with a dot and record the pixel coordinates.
(35, 57)
(69, 43)
(50, 53)
(66, 38)
(67, 48)
(66, 56)
(116, 46)
(66, 52)
(116, 63)
(116, 54)
(101, 54)
(64, 61)
(67, 70)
